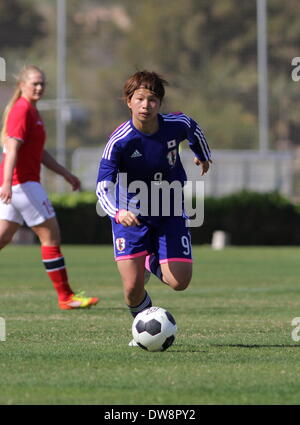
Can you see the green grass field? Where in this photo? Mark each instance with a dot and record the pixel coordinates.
(233, 345)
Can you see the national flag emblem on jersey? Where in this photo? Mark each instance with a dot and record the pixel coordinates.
(171, 144)
(120, 244)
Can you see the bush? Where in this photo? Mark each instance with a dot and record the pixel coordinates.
(78, 219)
(250, 218)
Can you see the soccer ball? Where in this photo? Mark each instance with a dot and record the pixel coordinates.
(154, 329)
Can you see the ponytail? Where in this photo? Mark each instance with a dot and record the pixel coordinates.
(16, 95)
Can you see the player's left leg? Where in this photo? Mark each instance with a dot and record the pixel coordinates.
(49, 235)
(177, 274)
(53, 260)
(172, 260)
(36, 209)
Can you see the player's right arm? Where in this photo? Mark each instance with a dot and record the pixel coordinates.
(18, 123)
(11, 154)
(126, 218)
(106, 186)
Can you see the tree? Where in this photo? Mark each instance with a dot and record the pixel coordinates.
(20, 25)
(206, 49)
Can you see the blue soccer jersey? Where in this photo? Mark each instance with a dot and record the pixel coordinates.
(134, 164)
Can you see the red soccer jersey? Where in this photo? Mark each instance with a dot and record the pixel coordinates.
(24, 123)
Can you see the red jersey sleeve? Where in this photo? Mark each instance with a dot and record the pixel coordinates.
(18, 122)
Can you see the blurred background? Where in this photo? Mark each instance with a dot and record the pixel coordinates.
(228, 64)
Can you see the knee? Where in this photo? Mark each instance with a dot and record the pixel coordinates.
(179, 285)
(48, 232)
(50, 242)
(177, 275)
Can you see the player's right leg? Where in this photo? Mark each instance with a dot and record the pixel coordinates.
(10, 221)
(132, 275)
(136, 297)
(7, 231)
(131, 245)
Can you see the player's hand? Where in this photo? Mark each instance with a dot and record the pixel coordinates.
(204, 164)
(127, 218)
(73, 180)
(6, 194)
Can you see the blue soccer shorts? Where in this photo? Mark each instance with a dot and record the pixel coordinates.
(169, 238)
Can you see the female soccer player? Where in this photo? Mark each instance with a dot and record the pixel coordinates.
(143, 153)
(22, 198)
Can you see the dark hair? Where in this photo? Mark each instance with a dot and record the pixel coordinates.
(146, 80)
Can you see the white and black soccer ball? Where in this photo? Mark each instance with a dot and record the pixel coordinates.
(154, 329)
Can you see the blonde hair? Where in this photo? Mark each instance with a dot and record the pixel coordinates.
(26, 70)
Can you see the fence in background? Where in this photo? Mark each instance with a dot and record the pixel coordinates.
(231, 171)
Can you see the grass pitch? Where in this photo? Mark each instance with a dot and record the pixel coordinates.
(233, 346)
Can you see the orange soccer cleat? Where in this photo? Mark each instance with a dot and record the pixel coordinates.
(78, 301)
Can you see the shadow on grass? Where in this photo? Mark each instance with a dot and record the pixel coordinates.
(184, 349)
(188, 351)
(257, 345)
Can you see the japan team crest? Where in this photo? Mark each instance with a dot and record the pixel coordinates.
(120, 244)
(172, 156)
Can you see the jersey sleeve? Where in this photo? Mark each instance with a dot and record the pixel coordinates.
(197, 141)
(18, 123)
(106, 181)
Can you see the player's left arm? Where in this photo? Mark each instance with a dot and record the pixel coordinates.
(50, 162)
(204, 164)
(199, 145)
